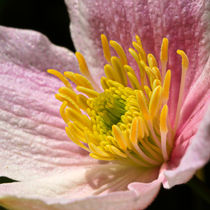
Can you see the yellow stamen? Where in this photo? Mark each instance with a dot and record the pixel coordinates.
(166, 87)
(140, 50)
(62, 112)
(156, 72)
(106, 50)
(60, 76)
(76, 116)
(82, 101)
(87, 91)
(120, 123)
(151, 60)
(118, 68)
(84, 68)
(132, 77)
(141, 128)
(134, 131)
(138, 41)
(143, 104)
(115, 151)
(68, 92)
(75, 128)
(104, 83)
(185, 61)
(134, 139)
(119, 137)
(148, 91)
(164, 55)
(109, 72)
(98, 150)
(156, 83)
(163, 119)
(151, 76)
(75, 139)
(154, 101)
(78, 79)
(140, 64)
(164, 131)
(119, 50)
(69, 100)
(82, 64)
(185, 64)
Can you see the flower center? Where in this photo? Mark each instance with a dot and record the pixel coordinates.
(124, 120)
(106, 109)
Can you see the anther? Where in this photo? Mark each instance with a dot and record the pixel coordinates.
(185, 64)
(119, 50)
(118, 68)
(151, 60)
(60, 76)
(119, 137)
(164, 131)
(154, 101)
(164, 56)
(166, 87)
(106, 50)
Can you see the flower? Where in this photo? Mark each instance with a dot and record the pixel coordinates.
(53, 171)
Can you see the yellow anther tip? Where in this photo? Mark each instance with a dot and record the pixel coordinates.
(154, 101)
(185, 60)
(138, 40)
(167, 78)
(78, 54)
(165, 40)
(164, 50)
(67, 73)
(113, 58)
(80, 58)
(49, 70)
(82, 65)
(105, 46)
(134, 130)
(60, 76)
(163, 119)
(119, 50)
(112, 42)
(53, 72)
(103, 36)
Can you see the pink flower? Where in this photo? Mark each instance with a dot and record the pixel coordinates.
(55, 173)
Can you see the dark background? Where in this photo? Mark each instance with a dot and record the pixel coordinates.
(50, 18)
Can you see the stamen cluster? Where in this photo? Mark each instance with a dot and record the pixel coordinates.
(125, 119)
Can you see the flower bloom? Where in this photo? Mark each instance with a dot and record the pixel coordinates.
(149, 125)
(129, 125)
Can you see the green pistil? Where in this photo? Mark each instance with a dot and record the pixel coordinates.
(109, 109)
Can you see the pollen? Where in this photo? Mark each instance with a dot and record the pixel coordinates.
(125, 118)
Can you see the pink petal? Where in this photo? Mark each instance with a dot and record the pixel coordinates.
(183, 22)
(120, 200)
(71, 190)
(193, 111)
(33, 139)
(196, 156)
(148, 190)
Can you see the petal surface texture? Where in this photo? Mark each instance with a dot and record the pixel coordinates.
(73, 190)
(33, 139)
(196, 156)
